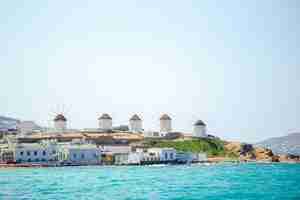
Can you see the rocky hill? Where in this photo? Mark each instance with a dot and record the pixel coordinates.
(289, 144)
(7, 123)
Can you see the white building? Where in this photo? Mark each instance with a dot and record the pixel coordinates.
(85, 154)
(135, 157)
(165, 124)
(60, 122)
(7, 155)
(188, 157)
(199, 129)
(202, 157)
(152, 134)
(121, 158)
(163, 154)
(105, 122)
(116, 149)
(135, 124)
(36, 152)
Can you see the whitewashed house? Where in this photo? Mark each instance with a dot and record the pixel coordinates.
(201, 157)
(199, 129)
(116, 149)
(163, 154)
(135, 157)
(135, 124)
(85, 154)
(188, 157)
(152, 134)
(105, 122)
(38, 153)
(60, 122)
(121, 158)
(7, 155)
(165, 124)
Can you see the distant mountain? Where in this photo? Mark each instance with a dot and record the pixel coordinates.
(289, 144)
(7, 123)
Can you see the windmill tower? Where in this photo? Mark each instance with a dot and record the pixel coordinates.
(199, 129)
(135, 123)
(165, 123)
(60, 123)
(105, 122)
(58, 119)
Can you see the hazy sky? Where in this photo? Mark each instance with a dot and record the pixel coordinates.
(233, 64)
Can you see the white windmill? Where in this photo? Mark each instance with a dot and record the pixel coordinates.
(58, 119)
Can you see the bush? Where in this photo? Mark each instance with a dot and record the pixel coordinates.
(213, 147)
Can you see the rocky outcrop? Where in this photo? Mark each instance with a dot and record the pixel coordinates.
(248, 152)
(263, 154)
(288, 158)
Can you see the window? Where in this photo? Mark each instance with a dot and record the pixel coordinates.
(28, 153)
(37, 160)
(35, 153)
(171, 156)
(29, 160)
(82, 156)
(43, 159)
(74, 155)
(53, 152)
(166, 156)
(21, 153)
(44, 153)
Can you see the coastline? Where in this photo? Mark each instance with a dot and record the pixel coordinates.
(210, 161)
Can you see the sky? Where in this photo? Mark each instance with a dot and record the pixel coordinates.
(233, 64)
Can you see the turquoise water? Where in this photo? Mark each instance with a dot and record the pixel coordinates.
(217, 182)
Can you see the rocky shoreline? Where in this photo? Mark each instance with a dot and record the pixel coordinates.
(249, 153)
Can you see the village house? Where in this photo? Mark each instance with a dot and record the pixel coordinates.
(7, 156)
(115, 154)
(37, 152)
(121, 158)
(163, 154)
(152, 156)
(189, 157)
(80, 154)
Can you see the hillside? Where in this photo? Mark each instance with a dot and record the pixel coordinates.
(289, 144)
(213, 147)
(8, 123)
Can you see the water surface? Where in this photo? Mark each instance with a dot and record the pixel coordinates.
(217, 182)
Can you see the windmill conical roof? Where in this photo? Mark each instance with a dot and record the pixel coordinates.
(60, 117)
(165, 117)
(105, 116)
(135, 117)
(199, 123)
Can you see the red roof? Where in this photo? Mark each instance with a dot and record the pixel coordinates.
(60, 117)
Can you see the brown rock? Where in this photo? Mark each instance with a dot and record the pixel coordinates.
(275, 159)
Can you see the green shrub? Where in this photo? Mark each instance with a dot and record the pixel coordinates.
(213, 147)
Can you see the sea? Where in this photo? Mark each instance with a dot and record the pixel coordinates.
(253, 181)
